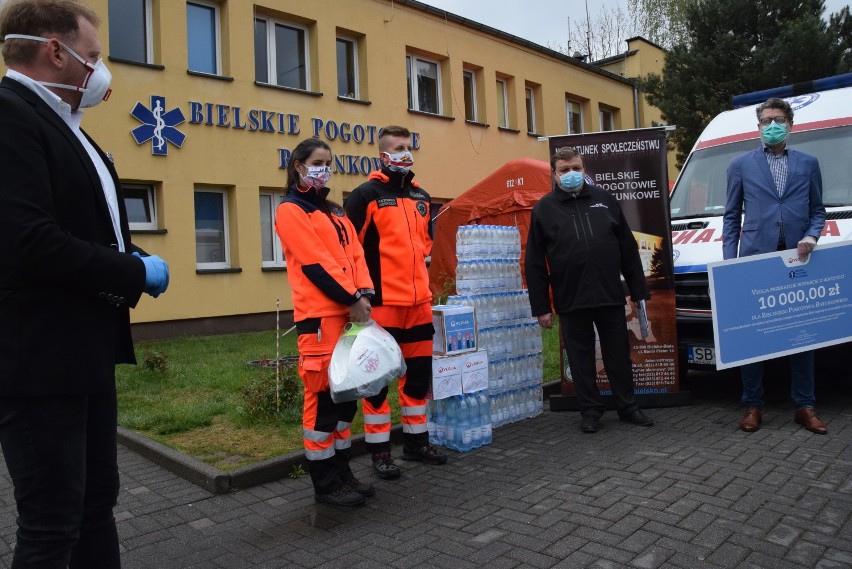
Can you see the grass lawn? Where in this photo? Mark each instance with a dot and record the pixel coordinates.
(200, 396)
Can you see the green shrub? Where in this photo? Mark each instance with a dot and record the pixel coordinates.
(259, 393)
(155, 361)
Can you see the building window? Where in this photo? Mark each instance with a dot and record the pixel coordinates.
(202, 37)
(140, 205)
(424, 84)
(502, 104)
(281, 54)
(607, 120)
(575, 116)
(469, 96)
(347, 68)
(211, 229)
(273, 256)
(530, 98)
(130, 35)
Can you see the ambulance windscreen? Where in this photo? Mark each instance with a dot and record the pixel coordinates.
(701, 187)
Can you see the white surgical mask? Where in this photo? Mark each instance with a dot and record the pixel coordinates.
(400, 161)
(316, 177)
(95, 87)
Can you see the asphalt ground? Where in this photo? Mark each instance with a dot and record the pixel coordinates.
(692, 491)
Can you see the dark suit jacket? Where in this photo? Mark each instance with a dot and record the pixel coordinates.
(65, 288)
(750, 186)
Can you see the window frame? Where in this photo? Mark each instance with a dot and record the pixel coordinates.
(502, 85)
(470, 73)
(217, 25)
(278, 261)
(569, 112)
(601, 113)
(271, 53)
(148, 34)
(151, 198)
(529, 100)
(356, 71)
(226, 263)
(411, 60)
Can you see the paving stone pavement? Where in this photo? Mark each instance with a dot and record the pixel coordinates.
(691, 492)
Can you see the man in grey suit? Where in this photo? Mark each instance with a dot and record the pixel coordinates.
(780, 190)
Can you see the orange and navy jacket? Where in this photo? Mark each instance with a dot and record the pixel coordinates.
(390, 211)
(325, 261)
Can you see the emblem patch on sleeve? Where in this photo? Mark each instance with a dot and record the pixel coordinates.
(422, 209)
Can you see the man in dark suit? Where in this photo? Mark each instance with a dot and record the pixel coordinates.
(780, 190)
(68, 273)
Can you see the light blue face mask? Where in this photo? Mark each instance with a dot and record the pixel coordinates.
(774, 134)
(571, 181)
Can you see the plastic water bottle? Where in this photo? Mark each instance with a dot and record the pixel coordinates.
(485, 417)
(464, 432)
(531, 404)
(440, 422)
(475, 421)
(431, 422)
(514, 409)
(450, 425)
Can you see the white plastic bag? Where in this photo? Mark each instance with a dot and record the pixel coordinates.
(365, 359)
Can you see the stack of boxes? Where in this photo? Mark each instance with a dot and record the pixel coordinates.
(508, 387)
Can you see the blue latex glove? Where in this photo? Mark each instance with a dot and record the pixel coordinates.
(156, 274)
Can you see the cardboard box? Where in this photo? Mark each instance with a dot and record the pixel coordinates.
(475, 371)
(446, 376)
(455, 329)
(457, 374)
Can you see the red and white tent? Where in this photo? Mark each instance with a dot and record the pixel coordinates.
(505, 197)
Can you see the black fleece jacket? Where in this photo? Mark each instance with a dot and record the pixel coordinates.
(579, 245)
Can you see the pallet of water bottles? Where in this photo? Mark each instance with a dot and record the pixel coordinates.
(493, 308)
(465, 422)
(487, 241)
(461, 422)
(488, 258)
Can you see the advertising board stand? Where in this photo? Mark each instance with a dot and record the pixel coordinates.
(631, 165)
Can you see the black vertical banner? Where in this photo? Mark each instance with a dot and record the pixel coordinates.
(632, 166)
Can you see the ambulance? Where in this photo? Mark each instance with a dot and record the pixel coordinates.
(822, 127)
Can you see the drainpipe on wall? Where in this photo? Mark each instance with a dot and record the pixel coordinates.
(635, 103)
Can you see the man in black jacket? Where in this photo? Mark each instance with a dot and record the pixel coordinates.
(578, 247)
(68, 273)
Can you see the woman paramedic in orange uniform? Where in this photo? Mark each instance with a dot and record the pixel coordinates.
(331, 285)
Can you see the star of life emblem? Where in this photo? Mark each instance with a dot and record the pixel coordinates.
(158, 125)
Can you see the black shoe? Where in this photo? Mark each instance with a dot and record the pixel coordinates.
(384, 466)
(343, 496)
(426, 454)
(637, 417)
(365, 490)
(590, 424)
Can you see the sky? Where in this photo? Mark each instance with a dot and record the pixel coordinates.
(545, 21)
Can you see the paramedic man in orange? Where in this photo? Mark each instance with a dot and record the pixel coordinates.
(391, 213)
(330, 284)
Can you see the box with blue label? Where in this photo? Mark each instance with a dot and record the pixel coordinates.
(455, 329)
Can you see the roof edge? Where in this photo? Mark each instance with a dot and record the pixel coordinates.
(449, 16)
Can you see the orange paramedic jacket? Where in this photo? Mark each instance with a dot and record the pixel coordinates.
(325, 261)
(391, 214)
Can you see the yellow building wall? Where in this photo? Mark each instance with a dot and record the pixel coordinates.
(453, 154)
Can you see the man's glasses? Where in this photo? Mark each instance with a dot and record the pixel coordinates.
(766, 121)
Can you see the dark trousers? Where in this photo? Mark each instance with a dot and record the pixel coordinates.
(62, 457)
(578, 335)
